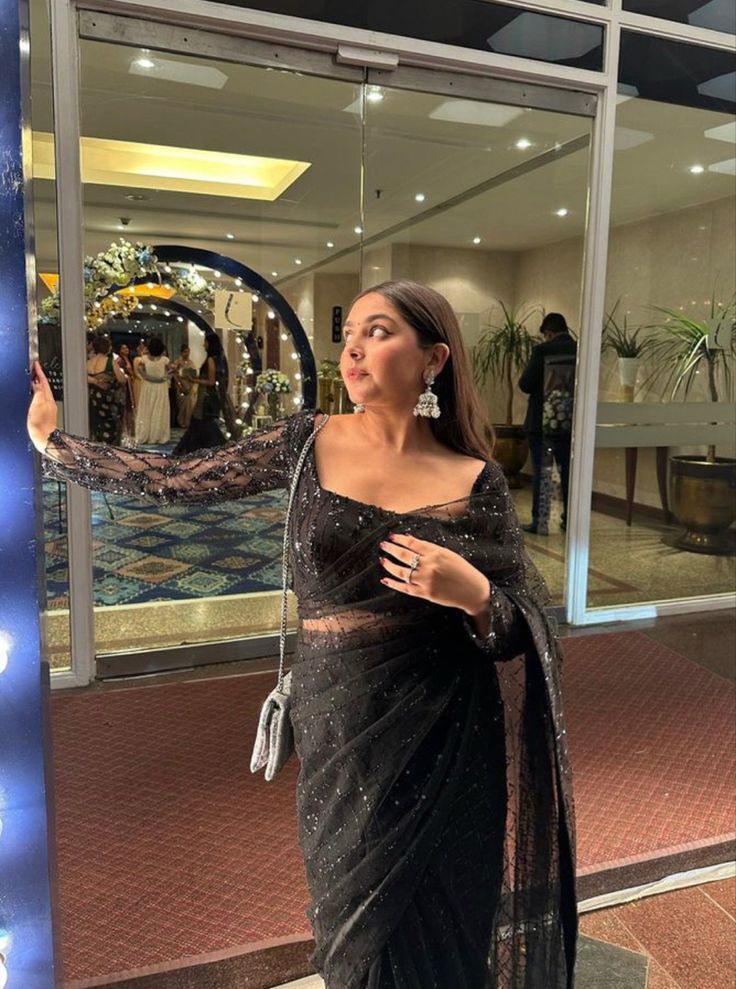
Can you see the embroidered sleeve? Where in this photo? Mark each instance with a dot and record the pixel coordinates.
(259, 462)
(507, 633)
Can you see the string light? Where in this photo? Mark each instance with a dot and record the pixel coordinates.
(4, 650)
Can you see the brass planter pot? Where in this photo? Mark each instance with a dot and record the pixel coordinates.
(703, 499)
(511, 451)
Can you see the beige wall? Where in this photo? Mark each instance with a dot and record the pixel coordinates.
(665, 260)
(671, 260)
(472, 280)
(329, 291)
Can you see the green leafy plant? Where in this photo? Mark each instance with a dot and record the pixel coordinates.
(503, 350)
(624, 341)
(686, 345)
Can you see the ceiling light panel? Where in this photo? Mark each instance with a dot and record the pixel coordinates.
(474, 112)
(153, 166)
(183, 73)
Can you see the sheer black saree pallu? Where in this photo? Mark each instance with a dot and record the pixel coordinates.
(434, 792)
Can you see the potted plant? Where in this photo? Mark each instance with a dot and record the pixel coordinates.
(702, 488)
(502, 351)
(629, 346)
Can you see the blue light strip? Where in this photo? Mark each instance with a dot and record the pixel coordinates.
(25, 897)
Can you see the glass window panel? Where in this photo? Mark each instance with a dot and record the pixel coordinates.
(168, 142)
(485, 203)
(662, 509)
(676, 73)
(718, 15)
(467, 23)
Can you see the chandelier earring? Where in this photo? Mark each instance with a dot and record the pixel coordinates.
(428, 406)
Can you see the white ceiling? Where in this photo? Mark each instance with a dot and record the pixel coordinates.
(414, 142)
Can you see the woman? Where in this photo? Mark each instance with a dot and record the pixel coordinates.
(152, 414)
(204, 430)
(186, 392)
(126, 365)
(141, 351)
(434, 798)
(104, 380)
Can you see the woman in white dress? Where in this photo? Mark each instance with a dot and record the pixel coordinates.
(152, 423)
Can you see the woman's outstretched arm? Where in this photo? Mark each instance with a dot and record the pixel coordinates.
(260, 462)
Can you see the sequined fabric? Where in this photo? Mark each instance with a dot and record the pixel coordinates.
(434, 796)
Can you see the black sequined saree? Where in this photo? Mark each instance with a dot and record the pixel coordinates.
(434, 797)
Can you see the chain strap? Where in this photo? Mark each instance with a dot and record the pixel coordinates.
(285, 556)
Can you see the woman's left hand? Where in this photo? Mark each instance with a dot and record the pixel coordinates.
(442, 576)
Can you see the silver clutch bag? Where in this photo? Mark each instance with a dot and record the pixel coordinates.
(275, 735)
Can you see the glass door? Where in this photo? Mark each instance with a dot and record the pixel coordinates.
(212, 190)
(248, 194)
(479, 188)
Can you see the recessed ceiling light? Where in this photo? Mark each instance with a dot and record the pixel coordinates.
(297, 260)
(420, 197)
(180, 319)
(358, 230)
(374, 94)
(144, 62)
(230, 236)
(271, 314)
(136, 197)
(696, 169)
(274, 274)
(476, 240)
(218, 274)
(330, 244)
(563, 211)
(238, 282)
(523, 143)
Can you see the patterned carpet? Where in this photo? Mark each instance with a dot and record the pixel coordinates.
(149, 553)
(169, 849)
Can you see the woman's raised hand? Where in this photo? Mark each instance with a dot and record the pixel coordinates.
(42, 413)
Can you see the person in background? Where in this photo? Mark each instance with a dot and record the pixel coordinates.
(126, 364)
(204, 428)
(152, 415)
(557, 341)
(186, 391)
(104, 380)
(140, 352)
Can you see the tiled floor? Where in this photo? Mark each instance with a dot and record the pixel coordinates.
(688, 938)
(688, 935)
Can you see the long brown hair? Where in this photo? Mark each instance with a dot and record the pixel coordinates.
(463, 424)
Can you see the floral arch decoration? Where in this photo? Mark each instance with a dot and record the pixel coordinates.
(112, 277)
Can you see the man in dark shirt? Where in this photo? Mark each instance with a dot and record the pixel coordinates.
(558, 343)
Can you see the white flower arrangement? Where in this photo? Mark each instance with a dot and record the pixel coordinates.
(557, 412)
(189, 284)
(273, 382)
